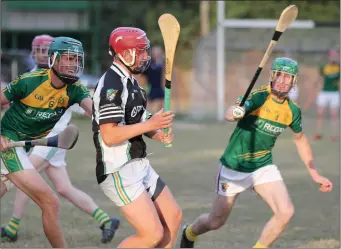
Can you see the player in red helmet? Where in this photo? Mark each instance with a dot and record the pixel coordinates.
(40, 48)
(131, 47)
(120, 119)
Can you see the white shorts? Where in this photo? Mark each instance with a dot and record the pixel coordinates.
(328, 98)
(55, 156)
(128, 183)
(230, 182)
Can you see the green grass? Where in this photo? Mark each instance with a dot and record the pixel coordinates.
(189, 168)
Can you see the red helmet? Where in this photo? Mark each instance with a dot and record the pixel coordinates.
(133, 41)
(40, 47)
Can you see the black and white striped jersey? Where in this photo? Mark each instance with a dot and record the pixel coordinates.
(117, 99)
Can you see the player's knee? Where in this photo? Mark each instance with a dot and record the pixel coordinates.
(154, 236)
(63, 190)
(5, 185)
(3, 189)
(285, 214)
(49, 202)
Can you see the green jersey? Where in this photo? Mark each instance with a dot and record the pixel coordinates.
(37, 105)
(331, 77)
(250, 145)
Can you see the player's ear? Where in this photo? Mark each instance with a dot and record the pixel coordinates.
(126, 55)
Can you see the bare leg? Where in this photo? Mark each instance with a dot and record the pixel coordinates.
(170, 215)
(3, 189)
(30, 182)
(60, 179)
(21, 199)
(319, 122)
(275, 194)
(142, 215)
(221, 209)
(334, 116)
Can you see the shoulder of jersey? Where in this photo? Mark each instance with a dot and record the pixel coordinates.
(294, 104)
(111, 77)
(264, 89)
(77, 83)
(34, 74)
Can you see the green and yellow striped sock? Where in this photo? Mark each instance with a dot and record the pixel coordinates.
(13, 226)
(189, 234)
(100, 216)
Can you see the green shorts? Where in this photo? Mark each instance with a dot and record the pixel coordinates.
(14, 160)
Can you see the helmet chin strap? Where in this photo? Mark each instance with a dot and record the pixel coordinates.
(130, 70)
(133, 71)
(65, 80)
(278, 93)
(43, 66)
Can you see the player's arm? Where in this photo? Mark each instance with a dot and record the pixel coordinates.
(3, 99)
(306, 154)
(160, 136)
(79, 110)
(151, 134)
(13, 91)
(157, 135)
(111, 113)
(86, 104)
(83, 98)
(236, 112)
(112, 133)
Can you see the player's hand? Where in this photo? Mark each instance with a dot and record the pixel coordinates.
(166, 138)
(3, 143)
(326, 185)
(161, 120)
(238, 112)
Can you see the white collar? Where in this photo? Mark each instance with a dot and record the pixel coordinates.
(121, 71)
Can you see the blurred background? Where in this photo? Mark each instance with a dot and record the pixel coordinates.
(194, 92)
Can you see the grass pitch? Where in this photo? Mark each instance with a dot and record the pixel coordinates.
(189, 168)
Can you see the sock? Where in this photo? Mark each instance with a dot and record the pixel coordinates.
(189, 234)
(259, 245)
(13, 226)
(100, 216)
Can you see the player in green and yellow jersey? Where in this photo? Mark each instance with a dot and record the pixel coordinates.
(52, 162)
(38, 100)
(328, 85)
(247, 160)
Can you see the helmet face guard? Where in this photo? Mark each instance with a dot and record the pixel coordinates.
(70, 65)
(67, 61)
(140, 58)
(287, 66)
(274, 75)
